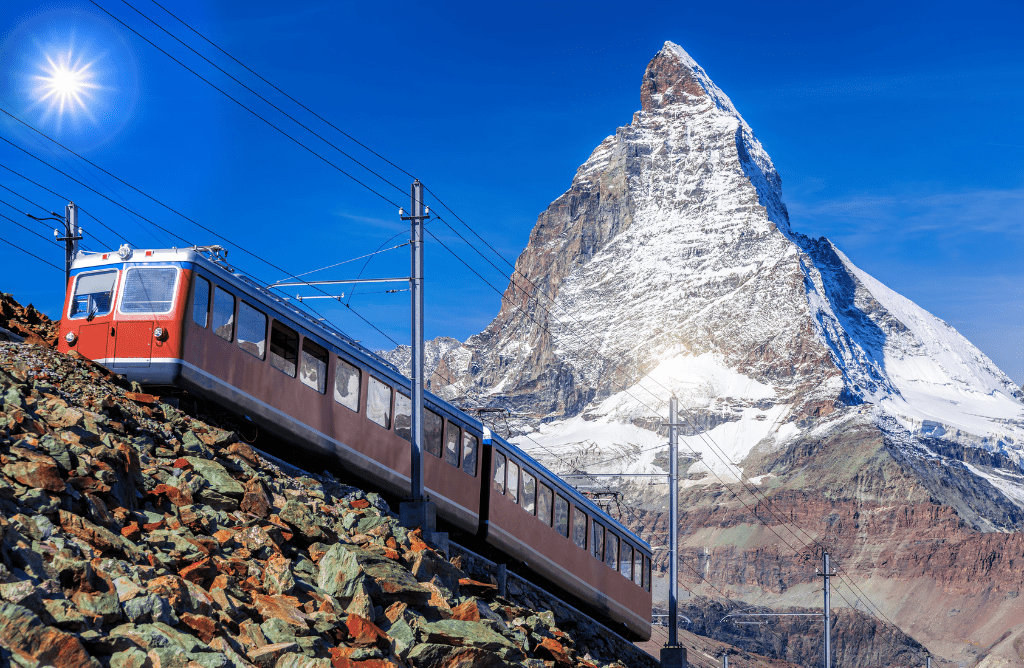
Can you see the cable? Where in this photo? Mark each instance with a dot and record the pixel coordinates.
(281, 91)
(33, 232)
(36, 183)
(215, 87)
(32, 254)
(338, 264)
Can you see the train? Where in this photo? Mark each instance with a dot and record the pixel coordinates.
(184, 317)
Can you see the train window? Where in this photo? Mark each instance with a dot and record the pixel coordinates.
(313, 366)
(597, 540)
(223, 314)
(433, 432)
(451, 444)
(611, 550)
(378, 403)
(529, 497)
(561, 515)
(513, 481)
(647, 573)
(284, 348)
(579, 527)
(346, 384)
(149, 290)
(499, 472)
(626, 560)
(545, 497)
(94, 294)
(638, 568)
(201, 301)
(403, 416)
(252, 330)
(469, 447)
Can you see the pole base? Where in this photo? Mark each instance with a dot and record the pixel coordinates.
(673, 657)
(418, 514)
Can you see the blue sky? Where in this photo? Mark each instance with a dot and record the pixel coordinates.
(895, 127)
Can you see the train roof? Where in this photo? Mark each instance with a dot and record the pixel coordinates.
(209, 258)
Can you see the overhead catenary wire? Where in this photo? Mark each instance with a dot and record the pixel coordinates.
(32, 254)
(243, 106)
(332, 125)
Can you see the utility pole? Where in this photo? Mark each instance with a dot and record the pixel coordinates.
(72, 235)
(417, 511)
(673, 655)
(827, 573)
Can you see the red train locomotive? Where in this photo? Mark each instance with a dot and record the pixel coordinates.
(183, 317)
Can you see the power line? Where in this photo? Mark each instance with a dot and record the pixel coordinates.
(240, 104)
(282, 92)
(36, 183)
(32, 254)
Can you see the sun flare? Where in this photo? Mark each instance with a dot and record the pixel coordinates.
(66, 85)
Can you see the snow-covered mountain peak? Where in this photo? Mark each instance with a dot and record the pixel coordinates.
(673, 75)
(669, 267)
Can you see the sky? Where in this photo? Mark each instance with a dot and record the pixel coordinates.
(895, 128)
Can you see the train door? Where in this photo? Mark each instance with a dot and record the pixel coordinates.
(133, 343)
(92, 302)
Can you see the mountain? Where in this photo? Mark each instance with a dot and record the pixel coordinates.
(670, 267)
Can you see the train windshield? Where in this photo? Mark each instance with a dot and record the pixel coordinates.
(94, 294)
(149, 290)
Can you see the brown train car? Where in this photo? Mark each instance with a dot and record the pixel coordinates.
(183, 317)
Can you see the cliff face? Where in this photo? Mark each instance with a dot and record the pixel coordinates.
(670, 267)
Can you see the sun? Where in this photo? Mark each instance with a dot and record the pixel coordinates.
(66, 85)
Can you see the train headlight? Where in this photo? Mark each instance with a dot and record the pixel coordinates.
(124, 252)
(160, 334)
(70, 338)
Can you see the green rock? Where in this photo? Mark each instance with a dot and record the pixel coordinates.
(99, 604)
(342, 566)
(131, 658)
(65, 615)
(298, 516)
(301, 661)
(370, 523)
(547, 618)
(149, 608)
(218, 477)
(278, 630)
(465, 634)
(402, 636)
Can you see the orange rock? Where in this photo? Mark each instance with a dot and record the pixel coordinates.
(395, 611)
(176, 496)
(182, 463)
(224, 535)
(467, 612)
(552, 650)
(204, 627)
(199, 572)
(141, 398)
(132, 531)
(41, 475)
(281, 607)
(392, 554)
(360, 504)
(391, 542)
(365, 633)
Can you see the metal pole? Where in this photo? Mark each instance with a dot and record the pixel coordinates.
(725, 661)
(827, 573)
(416, 284)
(71, 238)
(673, 525)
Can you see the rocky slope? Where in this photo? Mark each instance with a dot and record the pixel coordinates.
(809, 390)
(134, 534)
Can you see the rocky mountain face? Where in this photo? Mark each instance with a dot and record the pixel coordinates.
(822, 409)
